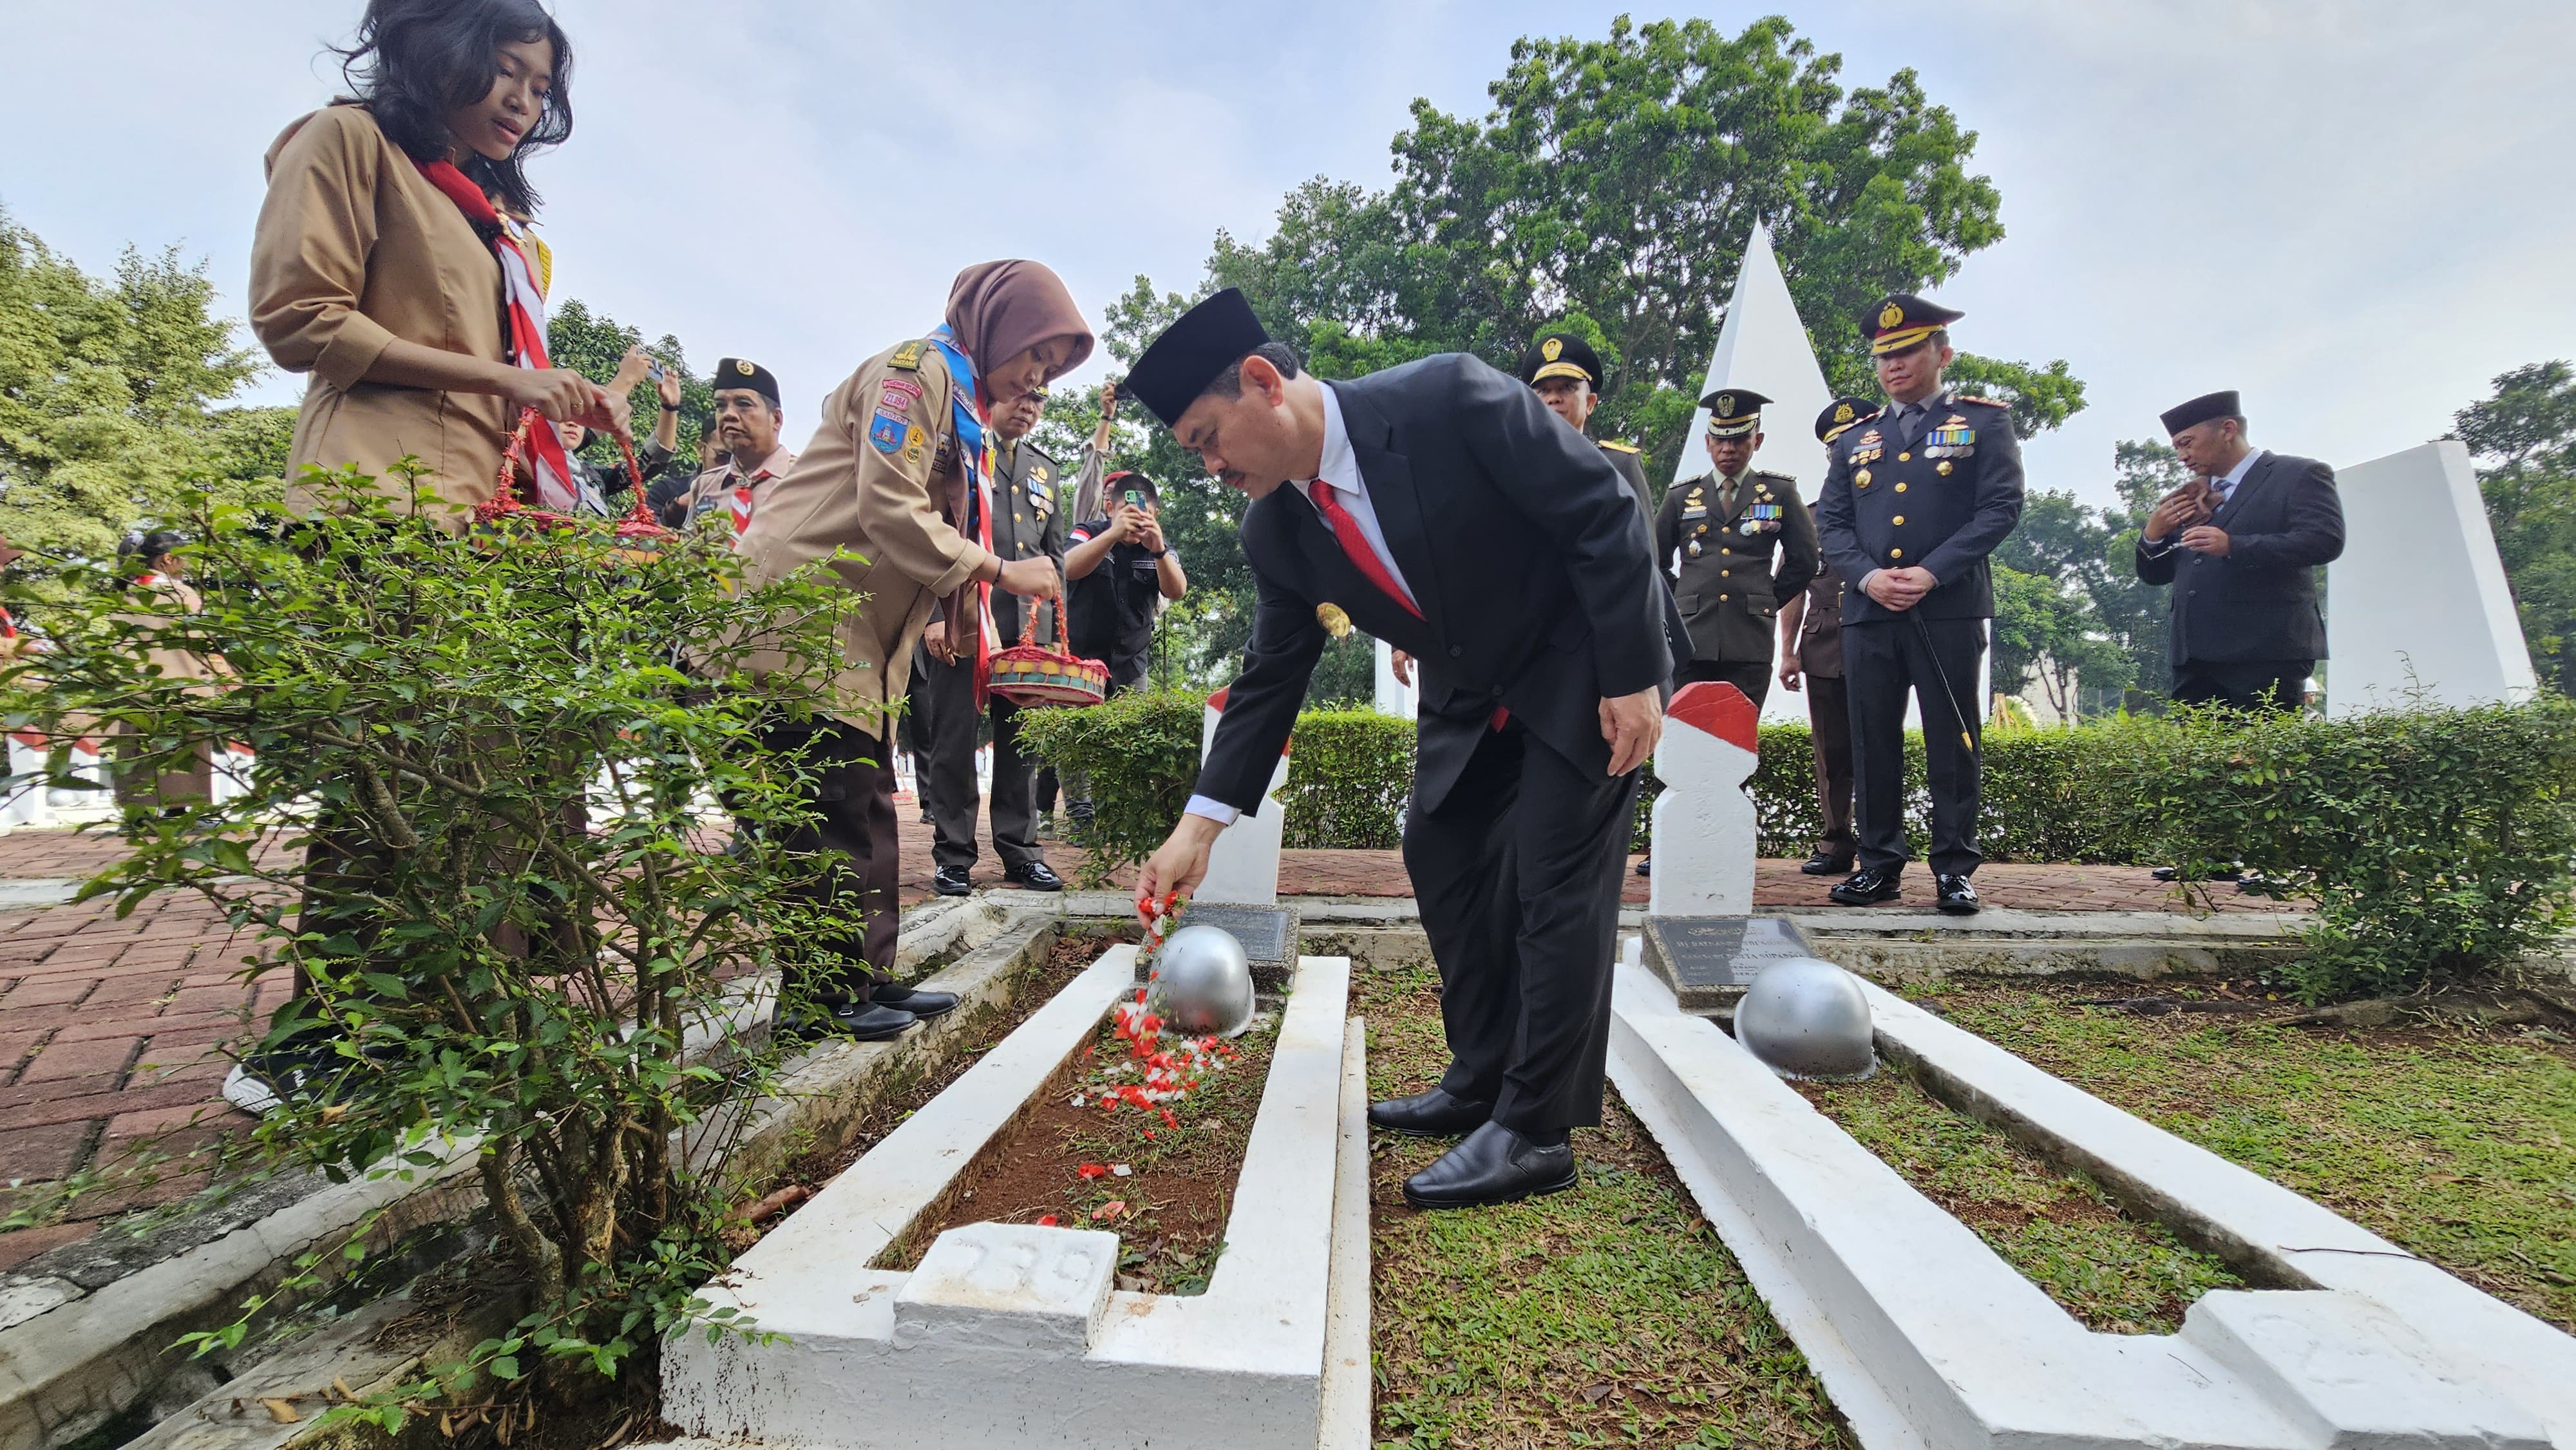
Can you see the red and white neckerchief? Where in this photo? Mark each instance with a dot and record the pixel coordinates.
(526, 297)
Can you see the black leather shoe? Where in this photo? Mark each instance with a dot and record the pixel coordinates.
(872, 1022)
(1434, 1114)
(2167, 873)
(1646, 867)
(1494, 1165)
(914, 1000)
(951, 881)
(1955, 896)
(1868, 888)
(1821, 864)
(1035, 875)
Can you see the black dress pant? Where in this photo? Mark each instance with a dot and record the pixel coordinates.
(1518, 875)
(1883, 659)
(2256, 686)
(1829, 731)
(859, 872)
(1753, 677)
(947, 739)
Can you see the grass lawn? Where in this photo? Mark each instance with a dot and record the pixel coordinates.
(2459, 1144)
(1608, 1315)
(2115, 1273)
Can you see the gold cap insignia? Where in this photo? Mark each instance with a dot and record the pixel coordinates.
(1890, 315)
(1842, 412)
(1726, 405)
(742, 367)
(1552, 349)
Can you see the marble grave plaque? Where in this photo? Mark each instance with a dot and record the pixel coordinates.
(1268, 934)
(1709, 960)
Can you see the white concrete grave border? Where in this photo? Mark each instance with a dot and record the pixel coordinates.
(1009, 1335)
(1926, 1338)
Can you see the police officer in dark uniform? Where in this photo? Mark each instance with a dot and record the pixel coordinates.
(1566, 374)
(1914, 500)
(1811, 650)
(1719, 538)
(1027, 524)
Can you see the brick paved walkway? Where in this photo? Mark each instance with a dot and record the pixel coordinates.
(111, 1032)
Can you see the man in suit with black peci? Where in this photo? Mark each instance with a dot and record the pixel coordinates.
(2240, 544)
(1445, 510)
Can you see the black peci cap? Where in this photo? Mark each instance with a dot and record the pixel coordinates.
(735, 372)
(1842, 413)
(1901, 320)
(2201, 410)
(1200, 344)
(1561, 355)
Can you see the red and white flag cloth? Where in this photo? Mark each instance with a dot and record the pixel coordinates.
(526, 296)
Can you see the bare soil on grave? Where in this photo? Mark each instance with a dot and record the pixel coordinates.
(1074, 950)
(1058, 1162)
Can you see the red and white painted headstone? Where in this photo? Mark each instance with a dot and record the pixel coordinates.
(1243, 865)
(1704, 832)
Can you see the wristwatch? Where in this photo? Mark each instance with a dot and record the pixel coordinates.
(670, 407)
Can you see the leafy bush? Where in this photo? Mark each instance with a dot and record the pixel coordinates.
(487, 773)
(1348, 778)
(2436, 843)
(1140, 751)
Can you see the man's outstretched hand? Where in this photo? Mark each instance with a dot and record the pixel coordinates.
(1632, 724)
(1179, 864)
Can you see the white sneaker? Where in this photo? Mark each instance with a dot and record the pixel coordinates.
(249, 1091)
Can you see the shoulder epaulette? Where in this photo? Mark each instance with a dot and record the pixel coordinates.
(907, 357)
(1616, 446)
(1989, 402)
(1776, 477)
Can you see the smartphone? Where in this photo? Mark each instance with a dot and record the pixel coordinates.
(1135, 498)
(653, 371)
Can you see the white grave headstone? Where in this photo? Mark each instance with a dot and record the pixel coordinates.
(2453, 635)
(1008, 1286)
(1243, 865)
(1705, 833)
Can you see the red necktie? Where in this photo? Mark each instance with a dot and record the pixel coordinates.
(1356, 544)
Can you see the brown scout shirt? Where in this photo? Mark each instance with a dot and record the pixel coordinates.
(880, 479)
(356, 248)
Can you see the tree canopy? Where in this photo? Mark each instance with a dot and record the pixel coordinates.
(1610, 189)
(109, 394)
(2524, 437)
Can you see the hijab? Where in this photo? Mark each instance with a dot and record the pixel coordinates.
(998, 310)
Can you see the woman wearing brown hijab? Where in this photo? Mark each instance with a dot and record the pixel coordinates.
(897, 476)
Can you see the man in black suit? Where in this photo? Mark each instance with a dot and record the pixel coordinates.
(1914, 500)
(1448, 512)
(2240, 544)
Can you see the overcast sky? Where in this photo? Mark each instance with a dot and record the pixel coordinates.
(2356, 211)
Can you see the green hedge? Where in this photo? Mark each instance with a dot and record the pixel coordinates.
(2435, 841)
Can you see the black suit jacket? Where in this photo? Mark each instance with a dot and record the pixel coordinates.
(2259, 602)
(1889, 503)
(1525, 550)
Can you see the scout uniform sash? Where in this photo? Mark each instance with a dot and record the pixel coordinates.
(975, 455)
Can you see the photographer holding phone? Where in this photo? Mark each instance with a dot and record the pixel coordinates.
(1120, 570)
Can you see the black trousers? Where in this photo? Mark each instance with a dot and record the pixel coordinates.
(860, 872)
(1829, 731)
(947, 780)
(1518, 876)
(2255, 686)
(1882, 660)
(1753, 677)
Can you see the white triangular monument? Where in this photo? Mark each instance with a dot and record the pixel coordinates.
(2454, 642)
(1763, 346)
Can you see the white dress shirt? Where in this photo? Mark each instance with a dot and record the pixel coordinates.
(2224, 486)
(1339, 467)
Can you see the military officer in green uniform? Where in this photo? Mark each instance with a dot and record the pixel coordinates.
(1566, 374)
(1736, 543)
(1028, 523)
(1914, 501)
